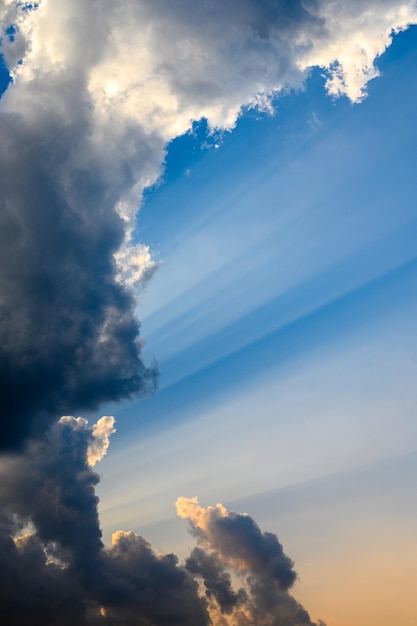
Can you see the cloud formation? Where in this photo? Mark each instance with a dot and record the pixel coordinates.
(98, 91)
(100, 440)
(231, 543)
(56, 570)
(68, 331)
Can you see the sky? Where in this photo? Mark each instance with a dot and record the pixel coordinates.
(207, 224)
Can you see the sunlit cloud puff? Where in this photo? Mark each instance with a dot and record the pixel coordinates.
(232, 546)
(100, 435)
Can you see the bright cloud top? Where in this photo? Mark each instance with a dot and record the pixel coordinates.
(136, 74)
(98, 91)
(156, 66)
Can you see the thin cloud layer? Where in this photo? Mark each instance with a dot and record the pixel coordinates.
(55, 569)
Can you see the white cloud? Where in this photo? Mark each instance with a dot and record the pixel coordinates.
(101, 89)
(135, 264)
(140, 71)
(359, 32)
(99, 445)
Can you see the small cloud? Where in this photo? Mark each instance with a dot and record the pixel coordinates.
(99, 445)
(314, 121)
(98, 434)
(135, 265)
(231, 545)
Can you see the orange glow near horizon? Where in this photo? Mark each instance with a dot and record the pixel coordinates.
(368, 582)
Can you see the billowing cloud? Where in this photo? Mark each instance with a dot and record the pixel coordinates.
(98, 90)
(237, 540)
(231, 543)
(56, 570)
(68, 331)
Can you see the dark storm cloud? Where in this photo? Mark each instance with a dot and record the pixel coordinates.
(57, 571)
(98, 91)
(68, 332)
(142, 588)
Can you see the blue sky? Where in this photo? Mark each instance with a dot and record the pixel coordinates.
(276, 184)
(283, 319)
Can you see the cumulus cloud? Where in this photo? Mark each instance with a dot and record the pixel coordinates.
(237, 540)
(68, 331)
(233, 543)
(359, 33)
(56, 570)
(98, 90)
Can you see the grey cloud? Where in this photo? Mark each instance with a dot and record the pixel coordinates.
(233, 543)
(142, 588)
(239, 537)
(238, 541)
(217, 580)
(68, 330)
(58, 571)
(55, 569)
(102, 88)
(32, 592)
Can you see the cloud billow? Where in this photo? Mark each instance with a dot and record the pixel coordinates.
(56, 570)
(68, 329)
(233, 543)
(98, 90)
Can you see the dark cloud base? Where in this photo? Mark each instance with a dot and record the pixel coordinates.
(56, 571)
(68, 330)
